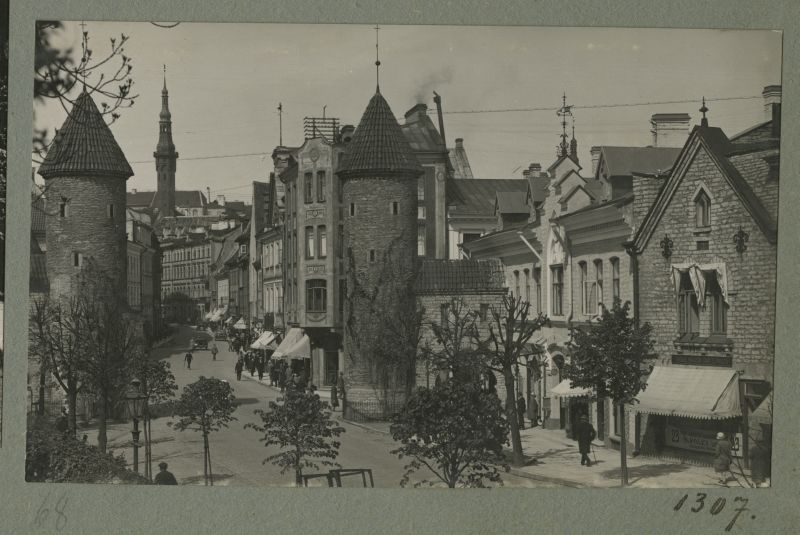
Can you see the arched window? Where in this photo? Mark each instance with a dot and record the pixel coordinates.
(702, 208)
(598, 272)
(615, 278)
(527, 285)
(516, 284)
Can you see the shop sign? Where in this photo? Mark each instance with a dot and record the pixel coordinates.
(691, 439)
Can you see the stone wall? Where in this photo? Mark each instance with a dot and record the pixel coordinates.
(87, 229)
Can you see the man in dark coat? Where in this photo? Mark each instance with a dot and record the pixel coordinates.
(521, 411)
(533, 407)
(585, 433)
(238, 369)
(188, 359)
(164, 477)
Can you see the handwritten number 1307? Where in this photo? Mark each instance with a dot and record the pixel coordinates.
(716, 508)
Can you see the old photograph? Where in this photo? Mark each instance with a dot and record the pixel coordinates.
(402, 256)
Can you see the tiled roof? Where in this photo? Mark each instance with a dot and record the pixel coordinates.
(476, 196)
(183, 198)
(37, 216)
(623, 161)
(511, 203)
(85, 146)
(460, 276)
(378, 144)
(564, 198)
(420, 132)
(539, 187)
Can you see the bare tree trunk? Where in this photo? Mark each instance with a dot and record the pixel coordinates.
(102, 423)
(72, 417)
(208, 456)
(511, 412)
(623, 449)
(205, 459)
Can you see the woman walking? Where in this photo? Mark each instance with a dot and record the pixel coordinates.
(722, 459)
(334, 397)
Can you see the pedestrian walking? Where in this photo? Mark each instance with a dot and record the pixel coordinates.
(340, 390)
(521, 406)
(759, 461)
(214, 351)
(334, 397)
(533, 408)
(722, 458)
(260, 369)
(164, 476)
(585, 433)
(238, 369)
(188, 359)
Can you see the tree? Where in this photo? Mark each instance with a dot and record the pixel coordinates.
(455, 350)
(61, 73)
(300, 425)
(608, 356)
(506, 348)
(456, 430)
(158, 385)
(205, 406)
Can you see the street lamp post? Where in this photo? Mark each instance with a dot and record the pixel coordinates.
(135, 401)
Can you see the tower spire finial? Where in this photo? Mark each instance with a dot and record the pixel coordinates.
(703, 110)
(280, 124)
(165, 78)
(564, 112)
(377, 61)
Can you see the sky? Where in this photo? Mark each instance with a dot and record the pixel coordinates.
(225, 82)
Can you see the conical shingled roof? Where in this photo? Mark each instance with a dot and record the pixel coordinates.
(85, 146)
(378, 144)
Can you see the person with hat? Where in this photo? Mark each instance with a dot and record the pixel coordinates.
(722, 458)
(164, 477)
(585, 433)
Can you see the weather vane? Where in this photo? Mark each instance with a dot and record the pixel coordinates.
(377, 60)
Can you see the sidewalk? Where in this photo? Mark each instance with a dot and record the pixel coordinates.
(558, 460)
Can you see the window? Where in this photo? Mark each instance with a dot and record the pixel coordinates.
(484, 312)
(342, 295)
(516, 284)
(598, 275)
(340, 190)
(703, 245)
(395, 207)
(421, 240)
(320, 186)
(340, 242)
(716, 302)
(421, 212)
(557, 276)
(309, 188)
(588, 291)
(469, 236)
(309, 242)
(63, 209)
(537, 282)
(372, 255)
(702, 207)
(444, 314)
(77, 259)
(316, 295)
(688, 310)
(352, 209)
(615, 278)
(243, 249)
(527, 285)
(322, 241)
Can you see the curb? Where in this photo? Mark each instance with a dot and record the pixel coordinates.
(548, 479)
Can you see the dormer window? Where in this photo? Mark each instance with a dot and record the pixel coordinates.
(702, 208)
(63, 209)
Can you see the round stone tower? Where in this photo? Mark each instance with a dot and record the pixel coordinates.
(379, 175)
(85, 172)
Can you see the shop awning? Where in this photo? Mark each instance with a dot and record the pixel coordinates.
(208, 315)
(296, 345)
(564, 390)
(691, 393)
(229, 321)
(264, 341)
(240, 325)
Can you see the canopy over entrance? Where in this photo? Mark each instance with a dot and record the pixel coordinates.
(691, 393)
(240, 325)
(265, 341)
(296, 345)
(564, 390)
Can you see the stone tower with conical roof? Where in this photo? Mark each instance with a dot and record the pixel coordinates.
(85, 172)
(379, 192)
(166, 159)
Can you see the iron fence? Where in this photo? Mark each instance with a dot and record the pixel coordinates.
(372, 410)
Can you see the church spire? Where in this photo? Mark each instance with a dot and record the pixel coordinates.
(564, 111)
(166, 157)
(377, 62)
(573, 144)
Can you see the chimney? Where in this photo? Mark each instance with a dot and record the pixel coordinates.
(416, 113)
(438, 100)
(772, 95)
(776, 119)
(346, 133)
(535, 169)
(669, 129)
(526, 173)
(595, 151)
(221, 200)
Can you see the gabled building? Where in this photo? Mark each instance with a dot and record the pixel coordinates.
(705, 261)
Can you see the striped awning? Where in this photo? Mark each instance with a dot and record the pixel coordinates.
(264, 341)
(565, 390)
(691, 393)
(296, 345)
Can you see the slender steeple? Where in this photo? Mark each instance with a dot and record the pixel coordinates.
(573, 144)
(166, 158)
(564, 111)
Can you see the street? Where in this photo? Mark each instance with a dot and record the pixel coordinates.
(236, 452)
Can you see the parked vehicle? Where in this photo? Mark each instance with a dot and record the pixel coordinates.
(220, 335)
(200, 343)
